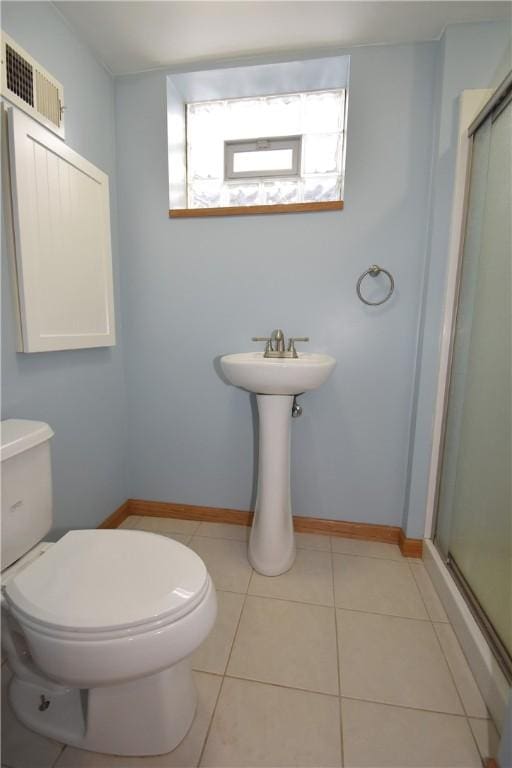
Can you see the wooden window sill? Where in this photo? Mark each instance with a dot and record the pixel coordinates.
(250, 210)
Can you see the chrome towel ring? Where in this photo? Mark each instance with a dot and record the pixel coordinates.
(373, 271)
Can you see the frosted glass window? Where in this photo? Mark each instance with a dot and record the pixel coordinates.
(316, 120)
(262, 160)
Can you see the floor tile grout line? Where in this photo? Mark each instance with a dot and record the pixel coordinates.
(452, 676)
(309, 549)
(338, 666)
(281, 685)
(467, 716)
(389, 615)
(411, 569)
(219, 538)
(443, 654)
(246, 595)
(207, 672)
(246, 541)
(420, 592)
(59, 755)
(336, 607)
(225, 670)
(477, 717)
(415, 564)
(207, 734)
(342, 608)
(483, 719)
(140, 520)
(399, 560)
(475, 742)
(460, 715)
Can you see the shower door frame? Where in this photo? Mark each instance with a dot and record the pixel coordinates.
(471, 103)
(475, 108)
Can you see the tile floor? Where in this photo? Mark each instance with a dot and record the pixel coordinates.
(346, 660)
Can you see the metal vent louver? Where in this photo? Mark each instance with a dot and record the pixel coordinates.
(48, 102)
(20, 75)
(30, 87)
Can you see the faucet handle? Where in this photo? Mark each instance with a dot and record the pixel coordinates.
(291, 343)
(268, 344)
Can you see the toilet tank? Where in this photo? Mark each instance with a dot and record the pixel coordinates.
(26, 486)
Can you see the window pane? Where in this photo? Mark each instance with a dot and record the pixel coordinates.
(204, 195)
(265, 116)
(322, 153)
(263, 160)
(244, 194)
(323, 112)
(321, 188)
(205, 120)
(205, 159)
(244, 119)
(282, 192)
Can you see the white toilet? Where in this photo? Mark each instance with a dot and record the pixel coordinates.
(98, 627)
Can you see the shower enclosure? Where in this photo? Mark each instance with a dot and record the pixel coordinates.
(473, 523)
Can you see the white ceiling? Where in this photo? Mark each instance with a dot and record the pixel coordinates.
(135, 36)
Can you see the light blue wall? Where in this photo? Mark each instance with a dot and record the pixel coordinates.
(196, 289)
(471, 56)
(79, 393)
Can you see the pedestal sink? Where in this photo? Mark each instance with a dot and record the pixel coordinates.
(275, 382)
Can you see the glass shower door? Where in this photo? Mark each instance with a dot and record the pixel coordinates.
(474, 510)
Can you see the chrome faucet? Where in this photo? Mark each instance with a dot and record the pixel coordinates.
(275, 344)
(277, 340)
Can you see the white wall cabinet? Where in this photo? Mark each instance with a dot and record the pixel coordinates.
(61, 220)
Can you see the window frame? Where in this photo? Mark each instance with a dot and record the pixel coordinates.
(179, 181)
(263, 144)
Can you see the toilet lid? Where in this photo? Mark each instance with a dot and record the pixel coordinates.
(102, 580)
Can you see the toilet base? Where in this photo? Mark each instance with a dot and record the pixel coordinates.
(148, 716)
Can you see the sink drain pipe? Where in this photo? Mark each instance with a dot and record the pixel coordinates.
(296, 408)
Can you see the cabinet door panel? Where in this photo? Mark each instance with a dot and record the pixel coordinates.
(61, 218)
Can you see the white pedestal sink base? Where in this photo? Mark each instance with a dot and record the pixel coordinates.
(275, 381)
(272, 542)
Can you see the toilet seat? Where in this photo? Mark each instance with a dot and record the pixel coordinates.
(108, 583)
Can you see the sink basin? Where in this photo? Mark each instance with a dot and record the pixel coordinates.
(274, 376)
